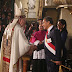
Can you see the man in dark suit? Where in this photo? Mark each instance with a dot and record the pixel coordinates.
(52, 45)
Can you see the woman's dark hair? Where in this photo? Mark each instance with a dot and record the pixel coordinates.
(40, 19)
(35, 24)
(48, 18)
(63, 22)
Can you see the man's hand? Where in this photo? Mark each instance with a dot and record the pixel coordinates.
(32, 48)
(57, 62)
(30, 28)
(40, 42)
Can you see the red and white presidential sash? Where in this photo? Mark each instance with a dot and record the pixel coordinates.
(49, 45)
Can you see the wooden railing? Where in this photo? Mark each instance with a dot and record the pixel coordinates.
(25, 62)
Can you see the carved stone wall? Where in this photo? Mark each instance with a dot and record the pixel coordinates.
(33, 8)
(30, 13)
(40, 8)
(49, 3)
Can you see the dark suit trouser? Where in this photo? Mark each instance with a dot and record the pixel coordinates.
(52, 67)
(39, 66)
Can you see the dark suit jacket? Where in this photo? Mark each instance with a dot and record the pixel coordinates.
(64, 34)
(56, 41)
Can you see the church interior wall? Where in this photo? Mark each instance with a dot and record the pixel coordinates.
(52, 12)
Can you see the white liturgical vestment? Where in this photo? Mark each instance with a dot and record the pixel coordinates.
(19, 45)
(14, 45)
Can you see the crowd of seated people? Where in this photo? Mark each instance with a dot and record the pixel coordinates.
(5, 18)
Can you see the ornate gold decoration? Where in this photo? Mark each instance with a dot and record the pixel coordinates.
(6, 53)
(47, 1)
(57, 2)
(64, 4)
(69, 1)
(31, 4)
(40, 9)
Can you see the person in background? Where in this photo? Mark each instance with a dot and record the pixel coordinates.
(30, 32)
(39, 21)
(61, 25)
(26, 27)
(15, 44)
(0, 14)
(3, 28)
(0, 35)
(4, 21)
(4, 9)
(8, 19)
(1, 32)
(9, 13)
(39, 64)
(9, 9)
(0, 21)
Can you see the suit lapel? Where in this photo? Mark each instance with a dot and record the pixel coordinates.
(49, 35)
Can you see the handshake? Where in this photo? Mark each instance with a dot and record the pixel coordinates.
(32, 48)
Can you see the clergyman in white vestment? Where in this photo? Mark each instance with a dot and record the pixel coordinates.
(14, 44)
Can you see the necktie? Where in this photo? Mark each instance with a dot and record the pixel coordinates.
(46, 33)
